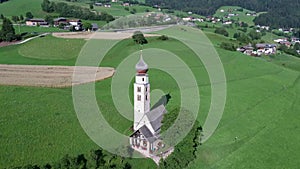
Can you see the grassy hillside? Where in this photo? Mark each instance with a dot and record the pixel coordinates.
(19, 7)
(39, 125)
(239, 15)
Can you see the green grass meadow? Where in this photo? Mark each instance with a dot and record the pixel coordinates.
(20, 7)
(39, 125)
(233, 9)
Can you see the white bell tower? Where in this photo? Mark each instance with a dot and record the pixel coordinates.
(141, 94)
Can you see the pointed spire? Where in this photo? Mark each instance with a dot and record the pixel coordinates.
(141, 66)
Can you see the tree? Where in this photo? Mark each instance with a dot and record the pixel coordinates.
(139, 38)
(49, 19)
(87, 26)
(297, 46)
(236, 35)
(29, 15)
(7, 32)
(15, 19)
(47, 6)
(243, 38)
(21, 17)
(91, 6)
(72, 28)
(254, 35)
(228, 46)
(222, 31)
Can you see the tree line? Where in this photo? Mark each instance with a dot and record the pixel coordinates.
(65, 10)
(280, 13)
(95, 159)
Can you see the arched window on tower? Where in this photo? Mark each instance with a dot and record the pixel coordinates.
(139, 97)
(138, 89)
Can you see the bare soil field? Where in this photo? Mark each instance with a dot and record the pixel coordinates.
(51, 76)
(97, 35)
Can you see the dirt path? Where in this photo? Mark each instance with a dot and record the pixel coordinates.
(51, 76)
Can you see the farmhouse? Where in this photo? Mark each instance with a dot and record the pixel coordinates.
(59, 21)
(265, 49)
(262, 49)
(286, 43)
(147, 123)
(36, 22)
(248, 49)
(76, 23)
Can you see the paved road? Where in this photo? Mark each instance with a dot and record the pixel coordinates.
(29, 39)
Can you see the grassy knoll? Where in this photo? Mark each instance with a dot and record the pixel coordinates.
(39, 125)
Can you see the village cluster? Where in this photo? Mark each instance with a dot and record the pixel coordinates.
(267, 48)
(61, 22)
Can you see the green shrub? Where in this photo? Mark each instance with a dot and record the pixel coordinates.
(228, 46)
(222, 31)
(163, 37)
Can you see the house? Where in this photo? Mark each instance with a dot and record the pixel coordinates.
(36, 22)
(147, 122)
(107, 5)
(280, 40)
(114, 0)
(126, 4)
(76, 23)
(187, 19)
(227, 22)
(248, 49)
(295, 40)
(95, 27)
(98, 4)
(59, 21)
(265, 49)
(286, 43)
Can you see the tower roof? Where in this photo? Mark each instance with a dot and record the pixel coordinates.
(141, 66)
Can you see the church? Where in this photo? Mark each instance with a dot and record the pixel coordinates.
(147, 122)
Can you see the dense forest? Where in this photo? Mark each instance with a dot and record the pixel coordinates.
(3, 1)
(280, 13)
